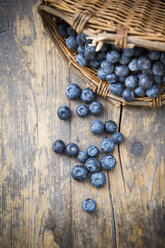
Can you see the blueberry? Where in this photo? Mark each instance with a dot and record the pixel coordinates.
(153, 55)
(111, 78)
(71, 31)
(110, 127)
(104, 48)
(145, 81)
(81, 60)
(128, 52)
(107, 145)
(92, 151)
(107, 67)
(158, 68)
(89, 205)
(82, 157)
(101, 74)
(133, 65)
(82, 110)
(124, 60)
(121, 70)
(100, 55)
(139, 91)
(79, 173)
(87, 95)
(88, 55)
(131, 81)
(116, 48)
(118, 138)
(143, 63)
(139, 51)
(97, 127)
(98, 179)
(95, 108)
(153, 91)
(108, 162)
(148, 71)
(95, 63)
(83, 37)
(113, 56)
(90, 49)
(116, 89)
(162, 58)
(163, 80)
(81, 49)
(73, 91)
(92, 165)
(122, 80)
(71, 42)
(64, 112)
(62, 29)
(71, 150)
(58, 146)
(140, 75)
(128, 95)
(158, 79)
(79, 40)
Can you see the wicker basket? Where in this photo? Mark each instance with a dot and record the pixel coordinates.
(129, 23)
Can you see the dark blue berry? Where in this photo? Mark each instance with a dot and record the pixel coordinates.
(95, 108)
(71, 42)
(104, 48)
(92, 151)
(111, 78)
(79, 40)
(118, 138)
(73, 91)
(110, 127)
(89, 205)
(121, 70)
(62, 29)
(83, 37)
(108, 162)
(79, 173)
(145, 81)
(58, 146)
(128, 52)
(131, 81)
(107, 67)
(113, 56)
(133, 65)
(97, 127)
(154, 55)
(116, 89)
(82, 157)
(82, 110)
(92, 165)
(163, 80)
(139, 51)
(100, 55)
(72, 150)
(87, 95)
(81, 60)
(71, 31)
(139, 91)
(107, 145)
(162, 58)
(101, 74)
(158, 68)
(116, 48)
(95, 63)
(90, 49)
(124, 60)
(122, 80)
(148, 71)
(157, 79)
(144, 63)
(128, 95)
(98, 179)
(153, 91)
(89, 56)
(64, 112)
(81, 49)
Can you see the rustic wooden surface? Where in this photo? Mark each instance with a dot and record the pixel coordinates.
(40, 205)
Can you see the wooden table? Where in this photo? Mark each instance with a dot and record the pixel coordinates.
(40, 204)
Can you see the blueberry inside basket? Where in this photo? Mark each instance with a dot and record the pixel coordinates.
(119, 45)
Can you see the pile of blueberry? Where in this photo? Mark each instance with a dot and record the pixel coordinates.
(131, 73)
(92, 165)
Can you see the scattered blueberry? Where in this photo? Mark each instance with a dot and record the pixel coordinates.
(64, 112)
(92, 165)
(110, 127)
(107, 145)
(97, 127)
(82, 110)
(98, 179)
(92, 151)
(79, 173)
(153, 91)
(82, 157)
(89, 205)
(116, 89)
(118, 138)
(73, 91)
(108, 162)
(71, 149)
(95, 108)
(58, 146)
(87, 95)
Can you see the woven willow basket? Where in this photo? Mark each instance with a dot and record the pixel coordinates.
(125, 23)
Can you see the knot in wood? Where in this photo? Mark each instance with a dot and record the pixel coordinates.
(80, 20)
(121, 39)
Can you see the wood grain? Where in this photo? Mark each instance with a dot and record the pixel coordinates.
(40, 204)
